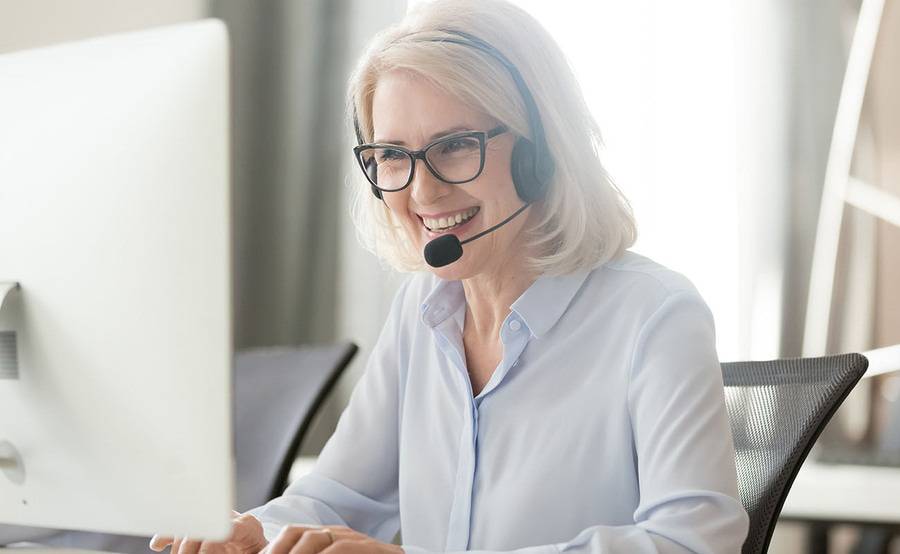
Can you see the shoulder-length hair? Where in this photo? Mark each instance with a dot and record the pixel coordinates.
(585, 220)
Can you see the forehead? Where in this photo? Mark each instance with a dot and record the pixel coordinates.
(409, 109)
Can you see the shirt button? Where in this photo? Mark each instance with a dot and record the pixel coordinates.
(515, 325)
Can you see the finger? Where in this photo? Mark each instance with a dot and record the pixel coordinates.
(190, 547)
(342, 533)
(349, 545)
(313, 541)
(213, 548)
(158, 544)
(286, 539)
(248, 531)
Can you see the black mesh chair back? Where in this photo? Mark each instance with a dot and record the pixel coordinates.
(277, 392)
(777, 409)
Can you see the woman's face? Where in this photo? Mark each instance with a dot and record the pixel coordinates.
(409, 111)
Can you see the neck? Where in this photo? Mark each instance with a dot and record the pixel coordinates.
(489, 296)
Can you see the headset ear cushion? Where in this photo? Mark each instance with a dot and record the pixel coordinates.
(522, 169)
(377, 192)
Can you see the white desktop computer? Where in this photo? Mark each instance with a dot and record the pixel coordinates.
(115, 284)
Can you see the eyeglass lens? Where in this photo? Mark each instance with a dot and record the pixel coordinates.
(454, 160)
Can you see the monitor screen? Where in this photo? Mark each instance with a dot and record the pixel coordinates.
(115, 275)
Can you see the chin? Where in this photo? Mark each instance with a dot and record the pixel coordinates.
(448, 272)
(465, 267)
(462, 268)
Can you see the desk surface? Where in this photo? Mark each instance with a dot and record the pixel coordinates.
(826, 492)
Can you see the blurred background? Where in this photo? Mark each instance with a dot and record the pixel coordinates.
(718, 120)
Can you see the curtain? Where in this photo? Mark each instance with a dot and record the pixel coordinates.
(289, 67)
(300, 275)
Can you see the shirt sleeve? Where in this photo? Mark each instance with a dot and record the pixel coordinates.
(355, 479)
(683, 445)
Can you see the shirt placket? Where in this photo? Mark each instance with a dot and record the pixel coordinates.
(460, 511)
(450, 343)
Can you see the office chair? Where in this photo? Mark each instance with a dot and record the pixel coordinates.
(277, 391)
(777, 409)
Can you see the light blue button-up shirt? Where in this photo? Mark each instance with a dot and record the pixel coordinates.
(603, 428)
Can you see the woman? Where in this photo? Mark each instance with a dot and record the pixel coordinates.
(542, 388)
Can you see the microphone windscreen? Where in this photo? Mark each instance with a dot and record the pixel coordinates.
(443, 250)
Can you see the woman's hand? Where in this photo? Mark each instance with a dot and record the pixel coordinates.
(246, 538)
(299, 539)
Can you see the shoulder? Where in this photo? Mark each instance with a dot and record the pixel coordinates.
(630, 296)
(641, 286)
(669, 312)
(633, 270)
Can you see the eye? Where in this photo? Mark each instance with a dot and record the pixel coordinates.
(389, 154)
(459, 145)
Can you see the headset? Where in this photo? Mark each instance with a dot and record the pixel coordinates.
(531, 166)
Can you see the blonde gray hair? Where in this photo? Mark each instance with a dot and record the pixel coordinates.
(584, 220)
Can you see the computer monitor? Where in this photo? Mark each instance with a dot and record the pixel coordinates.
(116, 345)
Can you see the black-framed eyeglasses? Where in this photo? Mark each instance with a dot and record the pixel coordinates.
(454, 159)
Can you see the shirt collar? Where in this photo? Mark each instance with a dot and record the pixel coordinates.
(547, 299)
(540, 306)
(445, 298)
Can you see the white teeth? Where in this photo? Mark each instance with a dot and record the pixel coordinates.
(444, 223)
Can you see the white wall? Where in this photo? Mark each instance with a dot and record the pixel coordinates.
(33, 23)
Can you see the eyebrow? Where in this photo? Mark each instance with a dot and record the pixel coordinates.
(435, 136)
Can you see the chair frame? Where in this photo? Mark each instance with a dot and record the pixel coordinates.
(754, 544)
(281, 479)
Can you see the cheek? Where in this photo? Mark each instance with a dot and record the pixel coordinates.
(397, 205)
(497, 172)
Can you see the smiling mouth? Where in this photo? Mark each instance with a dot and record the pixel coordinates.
(442, 224)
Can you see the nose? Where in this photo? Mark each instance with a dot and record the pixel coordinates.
(426, 188)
